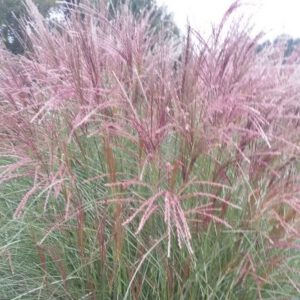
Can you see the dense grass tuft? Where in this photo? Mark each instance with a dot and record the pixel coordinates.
(137, 165)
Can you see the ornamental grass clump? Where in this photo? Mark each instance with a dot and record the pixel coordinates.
(138, 164)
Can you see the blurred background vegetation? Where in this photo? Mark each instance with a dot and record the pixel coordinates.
(11, 11)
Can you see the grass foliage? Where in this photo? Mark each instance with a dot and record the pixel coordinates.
(137, 165)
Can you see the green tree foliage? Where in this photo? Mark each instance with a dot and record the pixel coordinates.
(160, 15)
(12, 10)
(10, 13)
(135, 5)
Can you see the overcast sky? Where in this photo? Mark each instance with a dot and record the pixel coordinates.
(274, 17)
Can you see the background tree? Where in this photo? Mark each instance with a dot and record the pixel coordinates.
(160, 15)
(10, 13)
(12, 10)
